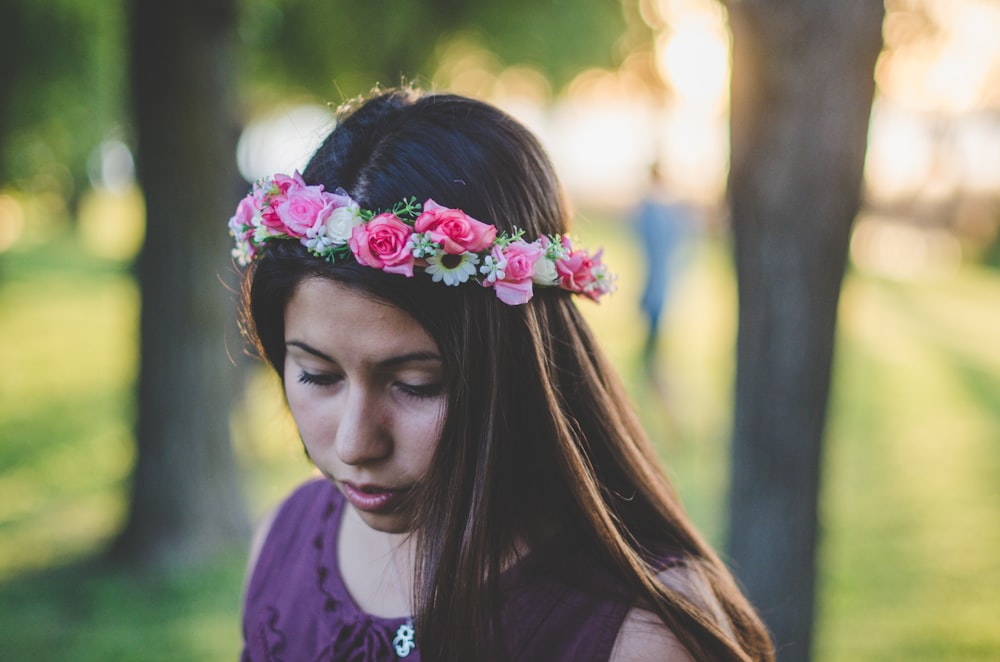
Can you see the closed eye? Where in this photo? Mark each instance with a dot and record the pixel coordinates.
(317, 379)
(421, 390)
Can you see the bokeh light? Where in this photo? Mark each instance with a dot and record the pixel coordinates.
(282, 141)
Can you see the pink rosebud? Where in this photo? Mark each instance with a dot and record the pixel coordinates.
(518, 258)
(515, 272)
(516, 293)
(284, 182)
(599, 286)
(382, 243)
(339, 199)
(575, 269)
(455, 230)
(241, 223)
(270, 194)
(521, 258)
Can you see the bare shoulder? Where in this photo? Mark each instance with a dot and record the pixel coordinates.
(257, 542)
(693, 585)
(643, 637)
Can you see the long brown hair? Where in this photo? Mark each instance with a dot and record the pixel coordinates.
(539, 439)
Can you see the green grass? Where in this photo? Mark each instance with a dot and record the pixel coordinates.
(67, 347)
(87, 612)
(910, 560)
(68, 350)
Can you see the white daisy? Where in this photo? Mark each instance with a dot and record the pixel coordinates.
(452, 269)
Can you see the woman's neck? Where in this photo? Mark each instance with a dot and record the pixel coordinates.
(377, 567)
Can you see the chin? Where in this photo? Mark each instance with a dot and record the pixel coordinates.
(391, 523)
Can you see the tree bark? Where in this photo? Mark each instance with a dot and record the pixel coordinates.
(185, 498)
(802, 88)
(10, 30)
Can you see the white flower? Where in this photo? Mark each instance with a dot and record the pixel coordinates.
(319, 245)
(242, 253)
(422, 246)
(493, 268)
(261, 233)
(545, 272)
(604, 280)
(452, 269)
(334, 224)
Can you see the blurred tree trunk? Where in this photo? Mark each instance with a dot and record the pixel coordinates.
(185, 497)
(10, 30)
(802, 88)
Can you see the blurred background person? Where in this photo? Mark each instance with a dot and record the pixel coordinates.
(663, 226)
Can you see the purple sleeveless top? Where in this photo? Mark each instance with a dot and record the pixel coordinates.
(297, 607)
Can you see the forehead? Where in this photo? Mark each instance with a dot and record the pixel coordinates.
(327, 314)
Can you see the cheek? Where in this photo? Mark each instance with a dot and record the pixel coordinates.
(425, 443)
(310, 419)
(295, 398)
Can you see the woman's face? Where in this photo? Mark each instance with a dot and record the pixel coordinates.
(365, 384)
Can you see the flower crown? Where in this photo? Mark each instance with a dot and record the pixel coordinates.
(446, 243)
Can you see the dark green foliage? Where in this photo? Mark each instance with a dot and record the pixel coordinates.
(337, 50)
(62, 62)
(61, 72)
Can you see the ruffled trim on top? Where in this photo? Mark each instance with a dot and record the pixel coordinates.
(352, 634)
(317, 621)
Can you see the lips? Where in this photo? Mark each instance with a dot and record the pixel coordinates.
(373, 498)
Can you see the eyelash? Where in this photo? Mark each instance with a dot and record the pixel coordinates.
(316, 380)
(422, 391)
(419, 391)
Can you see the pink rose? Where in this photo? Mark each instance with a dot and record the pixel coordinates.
(520, 257)
(339, 199)
(454, 229)
(285, 182)
(301, 206)
(241, 223)
(269, 214)
(382, 243)
(270, 194)
(576, 269)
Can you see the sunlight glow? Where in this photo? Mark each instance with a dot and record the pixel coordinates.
(112, 223)
(900, 153)
(467, 68)
(903, 250)
(695, 152)
(977, 147)
(600, 148)
(694, 59)
(282, 142)
(11, 221)
(950, 66)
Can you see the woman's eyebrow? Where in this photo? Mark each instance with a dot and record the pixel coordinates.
(311, 350)
(410, 357)
(420, 355)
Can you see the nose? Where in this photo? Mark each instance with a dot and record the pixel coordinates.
(362, 435)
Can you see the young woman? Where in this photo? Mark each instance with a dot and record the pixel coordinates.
(487, 492)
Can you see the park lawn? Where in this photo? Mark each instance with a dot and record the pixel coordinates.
(910, 561)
